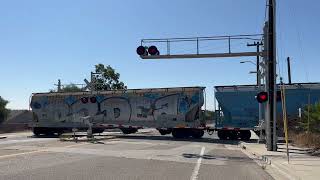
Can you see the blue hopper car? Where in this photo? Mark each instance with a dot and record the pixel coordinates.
(238, 109)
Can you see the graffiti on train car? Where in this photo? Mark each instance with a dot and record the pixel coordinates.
(124, 107)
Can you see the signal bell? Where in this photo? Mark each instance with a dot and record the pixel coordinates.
(262, 97)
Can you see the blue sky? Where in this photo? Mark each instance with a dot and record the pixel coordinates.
(42, 41)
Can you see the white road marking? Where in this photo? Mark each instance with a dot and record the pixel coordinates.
(196, 169)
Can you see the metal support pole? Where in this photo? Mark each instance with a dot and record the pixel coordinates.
(271, 105)
(229, 42)
(197, 45)
(59, 85)
(275, 137)
(289, 70)
(259, 87)
(92, 82)
(258, 64)
(168, 47)
(260, 107)
(257, 44)
(309, 112)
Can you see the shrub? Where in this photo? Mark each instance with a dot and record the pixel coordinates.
(310, 120)
(3, 111)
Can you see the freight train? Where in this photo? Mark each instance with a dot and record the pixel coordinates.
(177, 111)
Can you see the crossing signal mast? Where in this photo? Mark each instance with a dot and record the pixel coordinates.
(149, 50)
(149, 47)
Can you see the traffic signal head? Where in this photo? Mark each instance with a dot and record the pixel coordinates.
(84, 100)
(262, 97)
(152, 50)
(142, 51)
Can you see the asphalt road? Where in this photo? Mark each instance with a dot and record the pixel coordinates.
(142, 156)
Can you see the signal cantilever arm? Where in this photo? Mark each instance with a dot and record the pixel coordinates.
(214, 55)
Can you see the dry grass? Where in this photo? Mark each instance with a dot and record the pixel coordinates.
(310, 140)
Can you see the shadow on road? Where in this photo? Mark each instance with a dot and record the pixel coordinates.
(216, 157)
(145, 136)
(44, 136)
(169, 138)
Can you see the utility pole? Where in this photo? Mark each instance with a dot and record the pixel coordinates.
(257, 44)
(271, 121)
(289, 70)
(58, 85)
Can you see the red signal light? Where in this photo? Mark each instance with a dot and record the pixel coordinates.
(84, 100)
(141, 51)
(153, 50)
(262, 97)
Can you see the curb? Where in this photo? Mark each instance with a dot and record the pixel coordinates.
(264, 158)
(267, 161)
(259, 160)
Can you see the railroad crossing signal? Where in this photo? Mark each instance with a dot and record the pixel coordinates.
(153, 50)
(145, 51)
(269, 55)
(262, 97)
(142, 51)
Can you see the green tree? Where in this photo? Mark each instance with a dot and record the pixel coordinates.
(311, 118)
(4, 112)
(70, 88)
(67, 88)
(108, 78)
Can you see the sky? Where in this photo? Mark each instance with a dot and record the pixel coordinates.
(43, 41)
